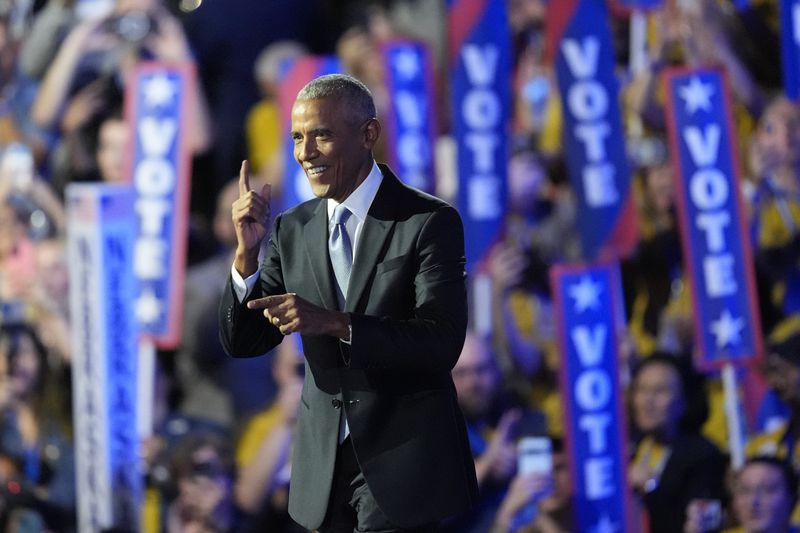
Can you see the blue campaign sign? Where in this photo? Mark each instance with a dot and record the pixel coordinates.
(480, 56)
(411, 119)
(715, 242)
(298, 73)
(593, 136)
(158, 102)
(790, 47)
(640, 4)
(101, 235)
(121, 332)
(589, 315)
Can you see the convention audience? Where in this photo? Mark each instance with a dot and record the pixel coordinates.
(659, 318)
(774, 194)
(263, 125)
(539, 503)
(203, 473)
(764, 492)
(110, 47)
(264, 451)
(494, 425)
(35, 436)
(672, 463)
(539, 231)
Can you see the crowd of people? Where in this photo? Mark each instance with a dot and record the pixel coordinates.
(220, 454)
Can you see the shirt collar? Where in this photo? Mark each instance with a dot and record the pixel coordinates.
(361, 199)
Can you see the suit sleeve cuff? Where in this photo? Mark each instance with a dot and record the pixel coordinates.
(242, 287)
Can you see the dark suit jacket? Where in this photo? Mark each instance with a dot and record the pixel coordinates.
(407, 303)
(695, 469)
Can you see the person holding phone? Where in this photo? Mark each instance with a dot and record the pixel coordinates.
(764, 493)
(539, 499)
(497, 427)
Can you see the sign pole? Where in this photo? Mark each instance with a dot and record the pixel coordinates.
(733, 415)
(145, 387)
(638, 45)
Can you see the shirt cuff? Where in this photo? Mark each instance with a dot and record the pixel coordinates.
(242, 287)
(349, 340)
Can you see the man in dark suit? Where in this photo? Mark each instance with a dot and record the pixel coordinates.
(371, 274)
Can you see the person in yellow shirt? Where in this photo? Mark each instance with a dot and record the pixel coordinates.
(263, 124)
(782, 372)
(264, 451)
(774, 210)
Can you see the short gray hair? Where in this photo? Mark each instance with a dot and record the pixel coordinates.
(355, 94)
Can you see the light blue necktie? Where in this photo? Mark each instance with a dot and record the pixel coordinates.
(341, 250)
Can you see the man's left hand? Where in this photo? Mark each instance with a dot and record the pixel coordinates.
(292, 314)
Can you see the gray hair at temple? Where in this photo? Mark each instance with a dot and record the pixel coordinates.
(354, 94)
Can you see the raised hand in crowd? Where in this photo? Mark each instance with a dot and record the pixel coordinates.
(525, 489)
(88, 37)
(167, 41)
(702, 515)
(499, 460)
(84, 105)
(263, 473)
(507, 264)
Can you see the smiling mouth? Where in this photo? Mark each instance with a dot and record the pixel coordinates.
(316, 171)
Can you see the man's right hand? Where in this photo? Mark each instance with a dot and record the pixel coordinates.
(250, 214)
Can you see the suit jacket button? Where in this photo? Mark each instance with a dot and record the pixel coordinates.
(336, 403)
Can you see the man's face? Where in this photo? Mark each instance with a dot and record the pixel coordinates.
(761, 499)
(111, 150)
(475, 378)
(205, 487)
(775, 140)
(527, 182)
(331, 146)
(784, 378)
(659, 187)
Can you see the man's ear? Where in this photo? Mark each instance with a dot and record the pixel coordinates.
(372, 132)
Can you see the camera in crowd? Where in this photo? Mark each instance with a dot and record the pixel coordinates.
(133, 26)
(647, 151)
(21, 508)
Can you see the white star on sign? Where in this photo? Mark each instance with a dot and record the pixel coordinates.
(158, 90)
(605, 525)
(148, 307)
(696, 95)
(585, 293)
(727, 329)
(406, 63)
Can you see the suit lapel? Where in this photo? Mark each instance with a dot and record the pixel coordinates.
(377, 228)
(315, 238)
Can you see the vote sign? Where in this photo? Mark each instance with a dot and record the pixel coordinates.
(716, 245)
(593, 135)
(158, 101)
(411, 116)
(589, 311)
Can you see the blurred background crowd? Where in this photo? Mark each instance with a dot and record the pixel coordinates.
(219, 458)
